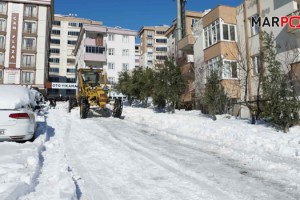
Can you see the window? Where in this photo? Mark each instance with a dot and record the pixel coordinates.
(71, 80)
(3, 8)
(54, 60)
(55, 32)
(149, 42)
(29, 43)
(256, 62)
(93, 49)
(27, 77)
(2, 25)
(55, 70)
(28, 60)
(55, 41)
(30, 11)
(111, 37)
(56, 23)
(55, 51)
(125, 66)
(161, 57)
(125, 52)
(160, 49)
(73, 33)
(213, 65)
(149, 34)
(161, 40)
(229, 70)
(125, 38)
(72, 42)
(111, 80)
(225, 32)
(111, 51)
(2, 42)
(1, 58)
(160, 32)
(194, 21)
(71, 61)
(53, 79)
(1, 75)
(111, 65)
(229, 32)
(212, 34)
(73, 24)
(255, 28)
(71, 70)
(29, 27)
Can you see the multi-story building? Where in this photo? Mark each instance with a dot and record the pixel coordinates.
(250, 42)
(181, 50)
(137, 55)
(215, 48)
(64, 35)
(153, 44)
(112, 49)
(24, 41)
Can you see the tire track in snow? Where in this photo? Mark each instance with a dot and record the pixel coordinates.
(25, 189)
(186, 141)
(142, 147)
(79, 170)
(178, 171)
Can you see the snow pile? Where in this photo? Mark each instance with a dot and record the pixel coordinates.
(15, 96)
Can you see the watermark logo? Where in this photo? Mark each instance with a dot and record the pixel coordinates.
(291, 21)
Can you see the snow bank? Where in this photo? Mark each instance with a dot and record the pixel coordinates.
(15, 96)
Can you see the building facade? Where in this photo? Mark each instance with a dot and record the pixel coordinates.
(112, 49)
(250, 42)
(137, 55)
(153, 45)
(24, 41)
(215, 48)
(64, 36)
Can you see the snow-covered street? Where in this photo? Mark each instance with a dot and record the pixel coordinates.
(151, 156)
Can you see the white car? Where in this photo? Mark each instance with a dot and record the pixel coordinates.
(17, 116)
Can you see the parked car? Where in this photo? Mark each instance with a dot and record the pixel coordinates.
(17, 116)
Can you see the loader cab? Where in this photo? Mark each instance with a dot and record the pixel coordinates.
(91, 78)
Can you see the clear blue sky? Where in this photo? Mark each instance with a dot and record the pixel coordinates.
(133, 14)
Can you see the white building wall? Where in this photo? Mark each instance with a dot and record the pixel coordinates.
(42, 40)
(200, 75)
(118, 59)
(14, 75)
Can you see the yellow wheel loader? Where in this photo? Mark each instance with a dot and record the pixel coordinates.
(92, 91)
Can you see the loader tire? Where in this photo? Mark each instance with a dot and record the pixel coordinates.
(118, 108)
(84, 109)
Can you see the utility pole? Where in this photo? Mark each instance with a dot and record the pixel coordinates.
(179, 26)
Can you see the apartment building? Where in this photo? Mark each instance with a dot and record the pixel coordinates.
(215, 48)
(24, 41)
(137, 55)
(110, 48)
(287, 39)
(153, 45)
(64, 36)
(185, 56)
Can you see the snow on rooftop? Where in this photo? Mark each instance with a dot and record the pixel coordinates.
(15, 96)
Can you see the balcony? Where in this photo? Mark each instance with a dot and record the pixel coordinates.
(95, 57)
(94, 42)
(295, 21)
(186, 44)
